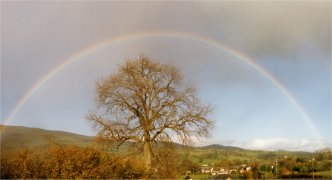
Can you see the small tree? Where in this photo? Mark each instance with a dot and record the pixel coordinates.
(146, 101)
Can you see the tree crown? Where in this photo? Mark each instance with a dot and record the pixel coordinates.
(147, 101)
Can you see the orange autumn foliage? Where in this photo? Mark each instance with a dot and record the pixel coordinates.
(69, 162)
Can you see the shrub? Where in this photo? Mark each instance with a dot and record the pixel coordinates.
(69, 162)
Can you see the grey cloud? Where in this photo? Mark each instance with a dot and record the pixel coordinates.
(277, 28)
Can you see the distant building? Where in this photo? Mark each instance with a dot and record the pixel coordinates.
(206, 169)
(218, 171)
(244, 168)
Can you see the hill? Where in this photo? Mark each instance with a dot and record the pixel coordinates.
(14, 137)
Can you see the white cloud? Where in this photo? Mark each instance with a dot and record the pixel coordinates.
(286, 144)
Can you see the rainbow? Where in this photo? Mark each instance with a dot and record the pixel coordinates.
(168, 34)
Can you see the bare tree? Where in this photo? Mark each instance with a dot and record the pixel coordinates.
(146, 101)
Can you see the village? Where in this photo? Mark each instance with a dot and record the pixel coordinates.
(220, 172)
(297, 166)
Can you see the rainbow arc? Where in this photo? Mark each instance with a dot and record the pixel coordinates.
(168, 34)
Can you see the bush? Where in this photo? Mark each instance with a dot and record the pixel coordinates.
(69, 162)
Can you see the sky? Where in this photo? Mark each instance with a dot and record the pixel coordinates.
(290, 40)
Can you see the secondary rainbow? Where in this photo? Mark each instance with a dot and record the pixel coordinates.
(170, 34)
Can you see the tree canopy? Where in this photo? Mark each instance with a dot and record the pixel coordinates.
(146, 102)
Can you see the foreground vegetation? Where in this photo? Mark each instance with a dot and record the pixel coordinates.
(70, 161)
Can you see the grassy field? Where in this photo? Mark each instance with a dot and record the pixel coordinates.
(208, 155)
(325, 174)
(14, 137)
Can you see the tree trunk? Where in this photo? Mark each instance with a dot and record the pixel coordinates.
(148, 155)
(147, 151)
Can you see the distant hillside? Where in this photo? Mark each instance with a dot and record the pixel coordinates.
(218, 146)
(13, 137)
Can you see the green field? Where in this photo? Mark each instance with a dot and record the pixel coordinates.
(325, 174)
(15, 137)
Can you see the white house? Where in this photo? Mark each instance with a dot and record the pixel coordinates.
(206, 169)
